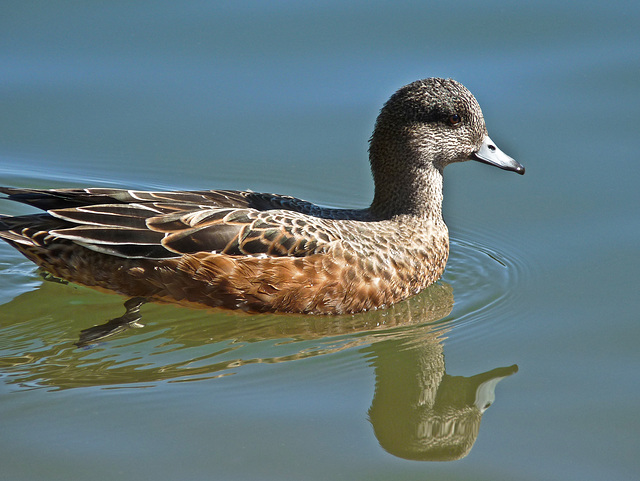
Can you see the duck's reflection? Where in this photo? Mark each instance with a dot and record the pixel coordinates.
(418, 411)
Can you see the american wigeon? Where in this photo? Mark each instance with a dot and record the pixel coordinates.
(267, 252)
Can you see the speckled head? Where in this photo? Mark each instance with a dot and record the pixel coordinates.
(422, 128)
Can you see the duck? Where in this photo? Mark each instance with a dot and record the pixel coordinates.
(262, 252)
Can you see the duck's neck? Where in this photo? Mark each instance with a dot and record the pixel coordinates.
(403, 191)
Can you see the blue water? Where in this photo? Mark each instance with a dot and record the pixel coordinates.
(282, 97)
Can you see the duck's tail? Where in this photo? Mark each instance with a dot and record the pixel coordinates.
(11, 231)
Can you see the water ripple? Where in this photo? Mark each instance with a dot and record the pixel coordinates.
(489, 276)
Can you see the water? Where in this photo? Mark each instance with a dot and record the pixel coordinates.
(543, 273)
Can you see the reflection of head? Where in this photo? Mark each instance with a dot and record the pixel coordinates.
(418, 412)
(430, 435)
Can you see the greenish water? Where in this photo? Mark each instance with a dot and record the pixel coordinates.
(541, 290)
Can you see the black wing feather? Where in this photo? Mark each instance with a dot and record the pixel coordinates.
(131, 223)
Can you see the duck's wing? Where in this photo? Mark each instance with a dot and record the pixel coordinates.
(47, 199)
(158, 225)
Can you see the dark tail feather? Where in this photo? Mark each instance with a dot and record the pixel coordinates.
(56, 199)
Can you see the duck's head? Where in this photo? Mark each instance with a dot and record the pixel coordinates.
(422, 128)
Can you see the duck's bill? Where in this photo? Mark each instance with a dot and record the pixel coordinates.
(490, 154)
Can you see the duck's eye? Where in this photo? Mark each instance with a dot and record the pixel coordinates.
(454, 119)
